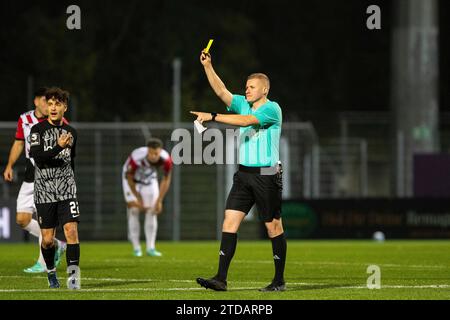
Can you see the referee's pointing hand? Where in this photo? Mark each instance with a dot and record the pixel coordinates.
(202, 116)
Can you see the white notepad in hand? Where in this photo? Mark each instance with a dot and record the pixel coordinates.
(200, 128)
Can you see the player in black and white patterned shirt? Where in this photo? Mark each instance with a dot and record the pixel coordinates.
(53, 150)
(25, 207)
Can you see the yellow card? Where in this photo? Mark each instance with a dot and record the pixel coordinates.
(208, 46)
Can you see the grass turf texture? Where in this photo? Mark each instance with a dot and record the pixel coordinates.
(314, 270)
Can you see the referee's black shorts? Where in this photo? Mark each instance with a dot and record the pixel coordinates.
(250, 187)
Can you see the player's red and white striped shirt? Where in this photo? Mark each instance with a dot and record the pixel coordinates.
(26, 121)
(144, 171)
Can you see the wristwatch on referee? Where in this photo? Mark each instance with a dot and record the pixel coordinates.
(214, 115)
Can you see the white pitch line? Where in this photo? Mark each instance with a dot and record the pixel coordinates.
(201, 289)
(101, 290)
(379, 264)
(148, 280)
(388, 265)
(154, 280)
(269, 261)
(435, 286)
(429, 286)
(106, 279)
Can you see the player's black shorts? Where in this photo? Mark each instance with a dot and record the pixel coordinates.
(50, 215)
(250, 187)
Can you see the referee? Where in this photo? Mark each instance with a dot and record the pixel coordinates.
(258, 180)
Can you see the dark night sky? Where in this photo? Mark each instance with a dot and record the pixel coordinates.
(319, 55)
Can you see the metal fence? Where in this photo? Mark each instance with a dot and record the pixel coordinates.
(193, 208)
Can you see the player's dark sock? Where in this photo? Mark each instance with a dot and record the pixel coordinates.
(49, 257)
(226, 253)
(279, 248)
(73, 254)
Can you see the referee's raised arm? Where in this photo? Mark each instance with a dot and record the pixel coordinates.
(214, 80)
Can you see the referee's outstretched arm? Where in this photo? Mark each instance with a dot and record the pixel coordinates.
(232, 119)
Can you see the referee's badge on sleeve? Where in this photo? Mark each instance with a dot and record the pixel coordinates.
(35, 139)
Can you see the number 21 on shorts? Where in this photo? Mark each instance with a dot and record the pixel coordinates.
(74, 209)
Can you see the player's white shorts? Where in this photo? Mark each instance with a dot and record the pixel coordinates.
(149, 193)
(25, 199)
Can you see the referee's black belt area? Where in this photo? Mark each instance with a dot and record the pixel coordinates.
(260, 170)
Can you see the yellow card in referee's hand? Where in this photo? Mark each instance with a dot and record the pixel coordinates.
(208, 46)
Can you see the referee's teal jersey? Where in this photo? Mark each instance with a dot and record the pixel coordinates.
(259, 145)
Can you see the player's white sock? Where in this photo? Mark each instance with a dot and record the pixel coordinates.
(151, 227)
(33, 228)
(134, 227)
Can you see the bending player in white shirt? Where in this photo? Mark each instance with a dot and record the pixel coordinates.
(144, 194)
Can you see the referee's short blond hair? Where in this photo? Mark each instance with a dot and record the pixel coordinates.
(260, 76)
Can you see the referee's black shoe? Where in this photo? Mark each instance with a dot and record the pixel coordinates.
(274, 286)
(213, 283)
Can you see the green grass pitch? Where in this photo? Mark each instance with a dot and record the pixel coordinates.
(314, 270)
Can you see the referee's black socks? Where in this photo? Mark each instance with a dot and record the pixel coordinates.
(73, 254)
(226, 253)
(49, 257)
(279, 248)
